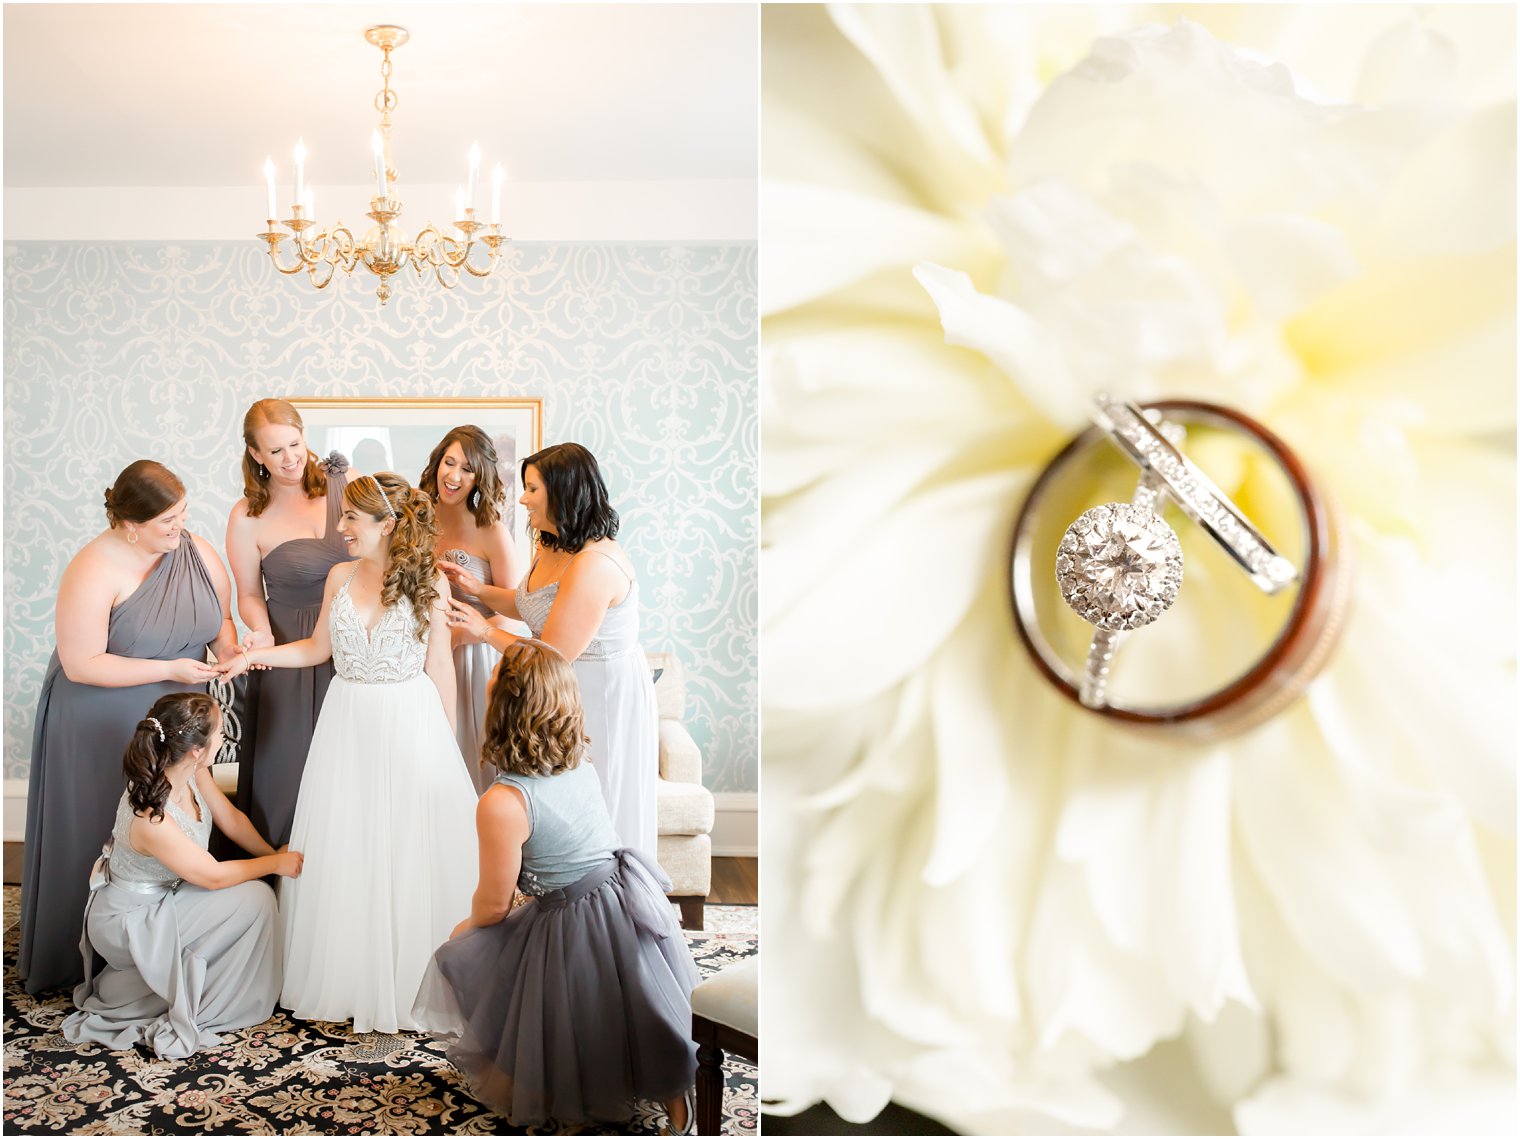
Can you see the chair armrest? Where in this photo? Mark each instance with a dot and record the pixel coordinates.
(680, 758)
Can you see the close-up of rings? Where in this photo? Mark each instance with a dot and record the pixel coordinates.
(1120, 566)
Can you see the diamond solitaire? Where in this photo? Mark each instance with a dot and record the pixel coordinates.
(1119, 566)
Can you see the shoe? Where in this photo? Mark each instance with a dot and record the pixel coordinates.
(690, 1099)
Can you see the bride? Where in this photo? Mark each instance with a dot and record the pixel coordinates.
(386, 813)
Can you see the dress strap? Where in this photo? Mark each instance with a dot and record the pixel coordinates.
(611, 559)
(352, 573)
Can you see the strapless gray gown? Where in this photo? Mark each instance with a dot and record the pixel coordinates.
(80, 737)
(287, 701)
(473, 667)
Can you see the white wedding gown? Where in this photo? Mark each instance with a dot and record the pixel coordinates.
(386, 821)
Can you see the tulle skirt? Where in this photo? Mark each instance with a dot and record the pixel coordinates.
(386, 820)
(579, 1003)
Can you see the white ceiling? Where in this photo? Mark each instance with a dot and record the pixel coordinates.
(196, 95)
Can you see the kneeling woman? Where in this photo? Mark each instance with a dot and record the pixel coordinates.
(189, 942)
(580, 1001)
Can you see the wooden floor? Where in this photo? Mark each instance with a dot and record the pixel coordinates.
(735, 881)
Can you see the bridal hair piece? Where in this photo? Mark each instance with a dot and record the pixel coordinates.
(176, 725)
(389, 509)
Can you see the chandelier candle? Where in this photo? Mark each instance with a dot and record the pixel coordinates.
(269, 178)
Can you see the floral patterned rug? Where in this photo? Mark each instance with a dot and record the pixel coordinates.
(288, 1076)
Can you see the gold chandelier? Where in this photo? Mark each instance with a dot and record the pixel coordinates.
(383, 251)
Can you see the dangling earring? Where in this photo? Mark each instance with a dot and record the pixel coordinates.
(263, 471)
(474, 498)
(131, 537)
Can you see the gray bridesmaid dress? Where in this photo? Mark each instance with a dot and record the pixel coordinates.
(287, 701)
(182, 963)
(578, 1004)
(473, 666)
(81, 734)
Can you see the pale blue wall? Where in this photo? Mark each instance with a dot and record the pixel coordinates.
(646, 353)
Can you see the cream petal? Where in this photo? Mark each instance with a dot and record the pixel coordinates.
(1291, 816)
(1010, 339)
(1287, 261)
(819, 239)
(842, 644)
(1480, 1104)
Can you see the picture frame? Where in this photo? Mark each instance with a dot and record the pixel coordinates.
(398, 434)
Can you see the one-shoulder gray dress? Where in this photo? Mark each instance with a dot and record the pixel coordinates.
(182, 963)
(287, 701)
(80, 737)
(473, 666)
(577, 1004)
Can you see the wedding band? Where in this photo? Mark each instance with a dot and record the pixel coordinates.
(1194, 492)
(1305, 640)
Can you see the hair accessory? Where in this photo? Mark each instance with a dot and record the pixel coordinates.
(388, 508)
(157, 727)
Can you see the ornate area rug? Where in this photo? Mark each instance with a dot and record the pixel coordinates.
(286, 1076)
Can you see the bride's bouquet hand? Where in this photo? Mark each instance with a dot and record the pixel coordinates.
(461, 578)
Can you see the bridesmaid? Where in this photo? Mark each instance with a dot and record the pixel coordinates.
(137, 608)
(462, 477)
(190, 943)
(580, 596)
(282, 538)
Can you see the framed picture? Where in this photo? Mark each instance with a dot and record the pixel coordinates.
(399, 435)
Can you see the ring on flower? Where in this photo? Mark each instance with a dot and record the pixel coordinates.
(1250, 684)
(1119, 566)
(1141, 438)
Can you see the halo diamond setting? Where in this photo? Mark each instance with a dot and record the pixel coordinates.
(1119, 566)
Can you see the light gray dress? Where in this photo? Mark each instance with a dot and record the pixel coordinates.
(577, 1004)
(182, 963)
(622, 716)
(473, 667)
(287, 701)
(82, 732)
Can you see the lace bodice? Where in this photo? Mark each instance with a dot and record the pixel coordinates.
(129, 866)
(389, 655)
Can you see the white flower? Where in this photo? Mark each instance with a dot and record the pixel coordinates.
(982, 902)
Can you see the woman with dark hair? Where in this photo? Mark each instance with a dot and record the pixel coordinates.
(580, 596)
(189, 942)
(137, 608)
(385, 805)
(282, 538)
(464, 481)
(577, 1005)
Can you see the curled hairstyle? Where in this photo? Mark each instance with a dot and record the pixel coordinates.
(143, 490)
(577, 496)
(278, 413)
(187, 720)
(480, 456)
(410, 571)
(534, 723)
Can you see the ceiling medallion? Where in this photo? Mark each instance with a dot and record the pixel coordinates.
(383, 250)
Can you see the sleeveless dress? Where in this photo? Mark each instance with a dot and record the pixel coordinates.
(81, 734)
(287, 701)
(577, 1004)
(182, 963)
(473, 667)
(622, 717)
(386, 820)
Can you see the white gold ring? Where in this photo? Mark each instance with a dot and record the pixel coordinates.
(1195, 494)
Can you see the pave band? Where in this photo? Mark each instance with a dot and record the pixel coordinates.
(1302, 644)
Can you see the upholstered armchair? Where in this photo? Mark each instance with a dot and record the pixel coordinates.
(684, 808)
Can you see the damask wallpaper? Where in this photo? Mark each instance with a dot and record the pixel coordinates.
(646, 353)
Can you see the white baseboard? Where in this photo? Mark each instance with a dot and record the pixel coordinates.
(15, 810)
(735, 834)
(736, 827)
